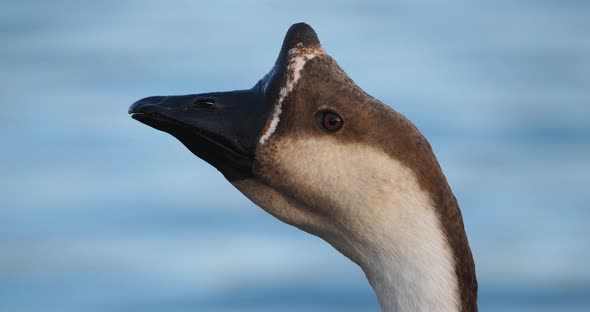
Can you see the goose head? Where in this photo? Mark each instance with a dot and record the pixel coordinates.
(314, 150)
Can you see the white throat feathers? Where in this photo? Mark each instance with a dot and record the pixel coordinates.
(385, 222)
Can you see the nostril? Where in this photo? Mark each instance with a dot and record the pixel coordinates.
(202, 103)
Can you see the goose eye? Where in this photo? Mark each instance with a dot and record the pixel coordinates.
(329, 120)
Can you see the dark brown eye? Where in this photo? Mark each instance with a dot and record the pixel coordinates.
(329, 120)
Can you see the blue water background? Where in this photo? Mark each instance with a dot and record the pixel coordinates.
(101, 213)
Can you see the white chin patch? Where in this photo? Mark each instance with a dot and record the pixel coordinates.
(298, 56)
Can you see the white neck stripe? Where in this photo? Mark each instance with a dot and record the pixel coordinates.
(298, 57)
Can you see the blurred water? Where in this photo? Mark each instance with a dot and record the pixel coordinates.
(101, 213)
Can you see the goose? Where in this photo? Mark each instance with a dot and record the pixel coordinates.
(311, 148)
